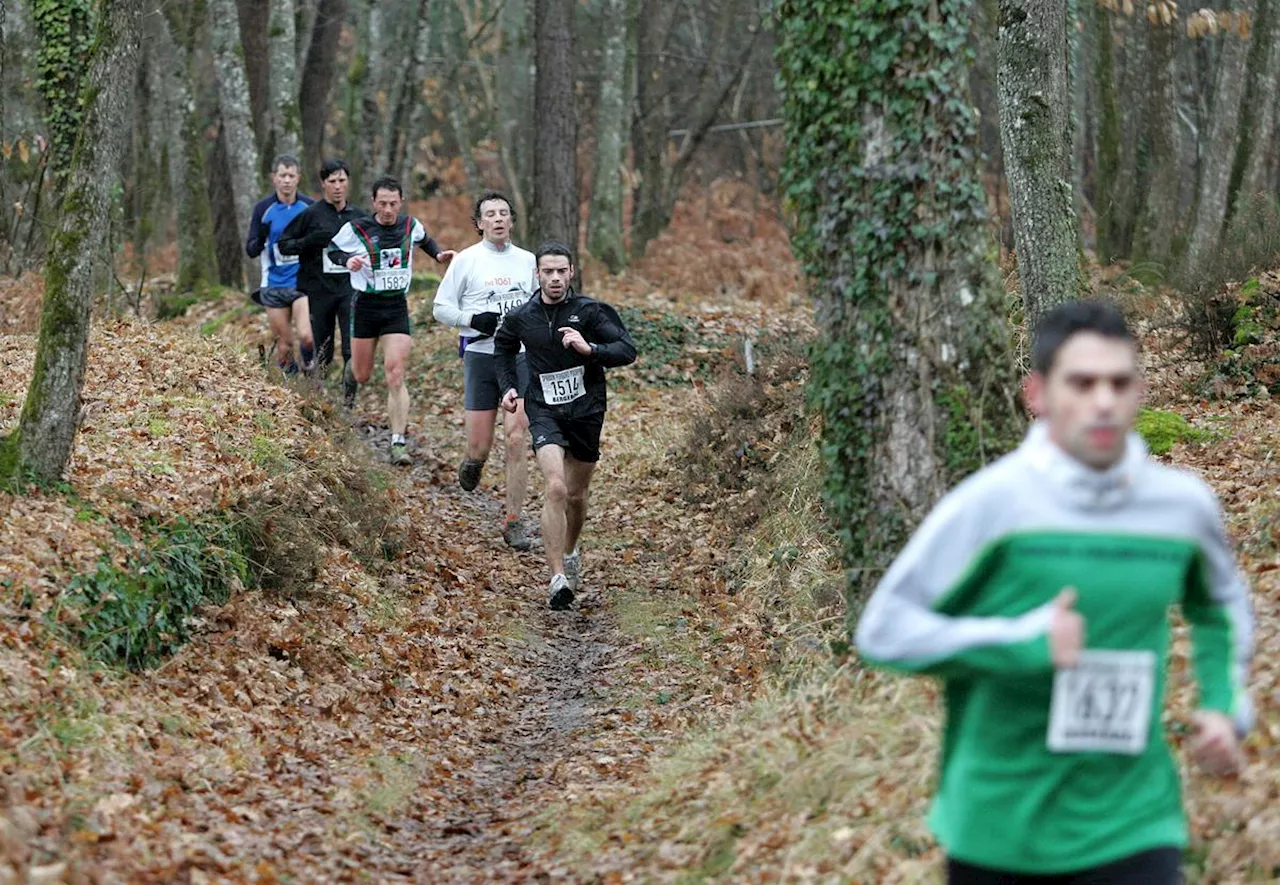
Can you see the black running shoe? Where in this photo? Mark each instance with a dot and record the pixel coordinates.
(561, 595)
(469, 474)
(349, 387)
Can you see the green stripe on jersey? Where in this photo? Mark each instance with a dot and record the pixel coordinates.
(1005, 800)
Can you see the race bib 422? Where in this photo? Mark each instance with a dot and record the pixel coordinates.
(1103, 704)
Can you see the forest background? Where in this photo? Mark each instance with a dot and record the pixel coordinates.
(796, 205)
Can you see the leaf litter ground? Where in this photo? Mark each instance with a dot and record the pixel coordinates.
(427, 719)
(395, 721)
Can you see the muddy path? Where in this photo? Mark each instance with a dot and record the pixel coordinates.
(564, 659)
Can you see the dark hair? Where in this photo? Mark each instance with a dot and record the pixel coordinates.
(1059, 324)
(334, 165)
(386, 183)
(289, 161)
(486, 197)
(552, 247)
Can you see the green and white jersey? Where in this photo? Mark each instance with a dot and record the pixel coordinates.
(1044, 772)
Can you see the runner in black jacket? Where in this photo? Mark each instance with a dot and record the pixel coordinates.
(569, 341)
(326, 285)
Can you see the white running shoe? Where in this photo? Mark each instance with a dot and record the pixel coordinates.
(573, 569)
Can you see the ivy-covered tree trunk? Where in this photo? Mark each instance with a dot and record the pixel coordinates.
(1035, 115)
(555, 167)
(1215, 168)
(286, 119)
(40, 448)
(237, 121)
(1154, 240)
(604, 228)
(914, 376)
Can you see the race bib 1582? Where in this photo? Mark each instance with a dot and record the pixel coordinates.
(391, 279)
(1103, 704)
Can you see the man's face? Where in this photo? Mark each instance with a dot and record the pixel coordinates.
(386, 206)
(494, 223)
(335, 188)
(285, 181)
(554, 274)
(1090, 397)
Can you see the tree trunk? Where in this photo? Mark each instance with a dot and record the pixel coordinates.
(286, 121)
(660, 180)
(184, 148)
(1158, 227)
(418, 125)
(604, 221)
(228, 228)
(370, 89)
(1215, 171)
(1129, 192)
(41, 446)
(1258, 145)
(649, 137)
(406, 90)
(515, 108)
(982, 77)
(1035, 110)
(254, 49)
(317, 78)
(1108, 136)
(237, 122)
(555, 176)
(915, 377)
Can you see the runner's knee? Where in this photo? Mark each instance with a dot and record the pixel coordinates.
(361, 374)
(576, 497)
(395, 374)
(517, 436)
(557, 492)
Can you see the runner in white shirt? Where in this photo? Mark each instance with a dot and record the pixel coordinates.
(482, 284)
(379, 253)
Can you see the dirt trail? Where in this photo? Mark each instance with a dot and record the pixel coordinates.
(563, 657)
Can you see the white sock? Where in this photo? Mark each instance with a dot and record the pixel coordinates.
(397, 438)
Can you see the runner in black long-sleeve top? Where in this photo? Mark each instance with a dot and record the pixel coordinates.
(326, 285)
(569, 341)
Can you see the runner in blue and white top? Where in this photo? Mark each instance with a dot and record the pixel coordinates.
(278, 288)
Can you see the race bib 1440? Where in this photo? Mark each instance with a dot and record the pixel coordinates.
(1103, 704)
(559, 388)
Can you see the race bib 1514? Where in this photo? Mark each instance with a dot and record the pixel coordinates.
(559, 388)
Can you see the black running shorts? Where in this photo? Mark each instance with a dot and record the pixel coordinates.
(1159, 866)
(480, 380)
(579, 437)
(277, 297)
(373, 316)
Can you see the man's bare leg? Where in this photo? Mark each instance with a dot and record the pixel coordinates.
(395, 355)
(278, 319)
(551, 461)
(479, 426)
(302, 329)
(515, 426)
(577, 477)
